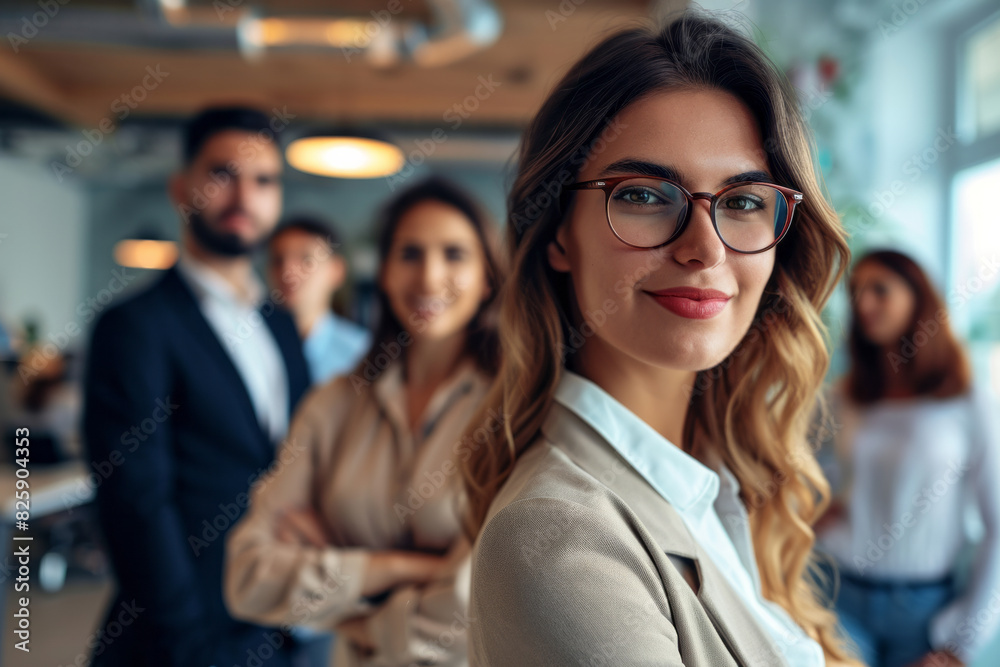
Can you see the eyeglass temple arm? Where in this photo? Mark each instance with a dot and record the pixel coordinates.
(587, 185)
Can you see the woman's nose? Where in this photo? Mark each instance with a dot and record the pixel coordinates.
(699, 243)
(432, 273)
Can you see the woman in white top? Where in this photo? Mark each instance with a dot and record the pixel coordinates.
(649, 501)
(917, 446)
(359, 529)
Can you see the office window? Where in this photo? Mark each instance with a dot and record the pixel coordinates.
(976, 275)
(979, 97)
(974, 178)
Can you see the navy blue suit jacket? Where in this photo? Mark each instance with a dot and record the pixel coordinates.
(166, 407)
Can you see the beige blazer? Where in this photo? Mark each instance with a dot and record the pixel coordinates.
(375, 484)
(582, 562)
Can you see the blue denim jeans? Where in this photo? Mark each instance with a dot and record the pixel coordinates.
(890, 621)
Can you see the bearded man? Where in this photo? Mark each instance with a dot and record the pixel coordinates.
(189, 389)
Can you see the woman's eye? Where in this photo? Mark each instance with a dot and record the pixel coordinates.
(409, 253)
(640, 197)
(454, 254)
(743, 203)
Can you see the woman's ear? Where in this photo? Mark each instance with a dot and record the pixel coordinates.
(558, 259)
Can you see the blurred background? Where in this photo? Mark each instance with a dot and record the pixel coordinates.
(903, 97)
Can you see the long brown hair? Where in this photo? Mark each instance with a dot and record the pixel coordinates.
(753, 409)
(482, 342)
(929, 357)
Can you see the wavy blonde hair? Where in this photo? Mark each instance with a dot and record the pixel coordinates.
(752, 410)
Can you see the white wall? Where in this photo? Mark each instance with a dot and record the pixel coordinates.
(43, 227)
(911, 94)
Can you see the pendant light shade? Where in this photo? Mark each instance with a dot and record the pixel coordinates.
(345, 155)
(145, 253)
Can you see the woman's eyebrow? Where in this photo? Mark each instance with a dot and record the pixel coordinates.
(654, 170)
(758, 176)
(642, 168)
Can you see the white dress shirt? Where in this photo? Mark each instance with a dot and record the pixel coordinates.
(247, 339)
(717, 521)
(912, 471)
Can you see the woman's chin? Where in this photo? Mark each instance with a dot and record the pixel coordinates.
(430, 330)
(691, 354)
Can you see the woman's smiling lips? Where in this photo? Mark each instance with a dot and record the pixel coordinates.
(426, 307)
(691, 302)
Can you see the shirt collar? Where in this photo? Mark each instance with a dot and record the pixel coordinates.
(390, 391)
(686, 483)
(323, 329)
(208, 284)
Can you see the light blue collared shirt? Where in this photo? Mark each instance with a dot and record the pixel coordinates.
(707, 501)
(334, 346)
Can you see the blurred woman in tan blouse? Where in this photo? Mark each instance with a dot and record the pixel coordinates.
(359, 529)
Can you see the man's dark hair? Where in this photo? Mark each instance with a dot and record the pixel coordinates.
(214, 120)
(312, 225)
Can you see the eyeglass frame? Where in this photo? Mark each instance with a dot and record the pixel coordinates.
(608, 185)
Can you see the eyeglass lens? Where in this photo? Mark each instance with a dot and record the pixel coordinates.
(648, 212)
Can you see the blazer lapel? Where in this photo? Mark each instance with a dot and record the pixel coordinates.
(195, 323)
(285, 345)
(741, 632)
(746, 639)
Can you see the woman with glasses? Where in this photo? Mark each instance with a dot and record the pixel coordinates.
(916, 446)
(650, 499)
(358, 530)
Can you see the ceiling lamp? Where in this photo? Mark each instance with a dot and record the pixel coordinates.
(145, 253)
(345, 155)
(175, 12)
(288, 31)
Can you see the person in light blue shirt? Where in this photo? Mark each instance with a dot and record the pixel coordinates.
(305, 268)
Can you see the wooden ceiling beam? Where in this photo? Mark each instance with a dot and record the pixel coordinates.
(23, 83)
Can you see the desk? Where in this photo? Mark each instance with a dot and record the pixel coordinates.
(53, 488)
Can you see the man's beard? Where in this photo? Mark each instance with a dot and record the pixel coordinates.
(219, 243)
